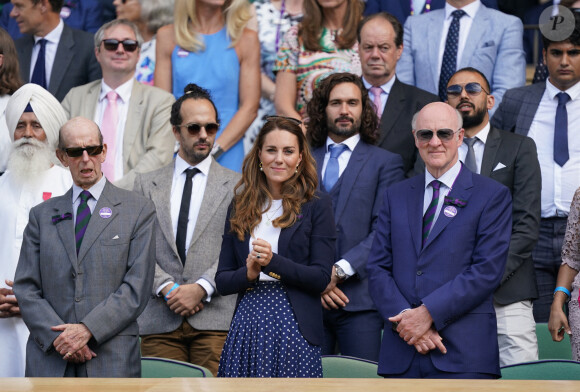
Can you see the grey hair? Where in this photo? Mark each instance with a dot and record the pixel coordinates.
(416, 115)
(156, 13)
(116, 22)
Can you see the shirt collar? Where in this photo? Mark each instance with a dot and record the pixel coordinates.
(470, 9)
(181, 165)
(448, 178)
(573, 92)
(54, 36)
(124, 90)
(482, 135)
(351, 142)
(95, 190)
(385, 87)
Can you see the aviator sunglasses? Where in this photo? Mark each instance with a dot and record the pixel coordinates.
(129, 45)
(194, 128)
(425, 135)
(473, 89)
(75, 152)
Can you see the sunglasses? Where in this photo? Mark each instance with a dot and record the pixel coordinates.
(473, 89)
(425, 135)
(195, 128)
(129, 45)
(294, 120)
(75, 152)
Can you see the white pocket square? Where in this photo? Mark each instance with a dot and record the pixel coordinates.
(115, 237)
(499, 166)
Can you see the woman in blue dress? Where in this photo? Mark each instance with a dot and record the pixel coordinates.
(209, 45)
(277, 255)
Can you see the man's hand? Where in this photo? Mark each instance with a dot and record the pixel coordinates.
(186, 300)
(430, 341)
(72, 339)
(8, 302)
(83, 355)
(333, 297)
(413, 323)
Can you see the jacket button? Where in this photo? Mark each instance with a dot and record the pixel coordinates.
(419, 273)
(77, 299)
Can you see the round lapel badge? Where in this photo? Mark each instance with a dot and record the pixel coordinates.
(450, 211)
(105, 212)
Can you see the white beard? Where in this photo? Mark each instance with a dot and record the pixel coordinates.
(29, 159)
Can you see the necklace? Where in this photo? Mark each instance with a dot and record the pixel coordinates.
(273, 216)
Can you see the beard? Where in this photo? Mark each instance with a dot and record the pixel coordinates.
(342, 131)
(475, 119)
(29, 159)
(195, 156)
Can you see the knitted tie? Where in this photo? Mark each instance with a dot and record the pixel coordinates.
(109, 130)
(83, 217)
(331, 174)
(376, 91)
(470, 162)
(449, 63)
(39, 72)
(429, 216)
(561, 154)
(183, 219)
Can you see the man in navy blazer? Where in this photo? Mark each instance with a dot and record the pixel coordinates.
(341, 112)
(439, 253)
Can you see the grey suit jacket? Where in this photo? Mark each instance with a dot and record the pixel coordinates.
(74, 64)
(523, 177)
(518, 108)
(148, 141)
(203, 253)
(105, 287)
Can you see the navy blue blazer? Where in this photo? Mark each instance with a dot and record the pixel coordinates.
(304, 264)
(454, 275)
(364, 181)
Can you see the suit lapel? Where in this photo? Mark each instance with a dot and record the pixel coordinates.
(491, 147)
(64, 56)
(528, 108)
(286, 235)
(25, 56)
(133, 123)
(415, 210)
(161, 196)
(66, 229)
(433, 32)
(318, 154)
(393, 109)
(476, 34)
(349, 176)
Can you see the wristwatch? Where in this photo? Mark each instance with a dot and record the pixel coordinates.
(340, 274)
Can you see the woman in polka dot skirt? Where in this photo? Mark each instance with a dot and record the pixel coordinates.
(277, 255)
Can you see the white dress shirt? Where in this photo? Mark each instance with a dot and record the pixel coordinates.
(447, 181)
(52, 38)
(124, 92)
(384, 94)
(464, 27)
(558, 183)
(95, 192)
(478, 147)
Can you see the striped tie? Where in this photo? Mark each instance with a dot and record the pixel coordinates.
(429, 216)
(83, 217)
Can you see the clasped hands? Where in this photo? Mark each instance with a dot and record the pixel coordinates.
(259, 257)
(415, 326)
(185, 300)
(72, 342)
(8, 302)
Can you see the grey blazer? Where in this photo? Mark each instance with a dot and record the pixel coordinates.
(148, 141)
(74, 64)
(105, 287)
(203, 253)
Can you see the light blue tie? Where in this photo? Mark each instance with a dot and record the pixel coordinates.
(331, 174)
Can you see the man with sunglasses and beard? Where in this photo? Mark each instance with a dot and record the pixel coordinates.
(439, 253)
(86, 268)
(134, 118)
(33, 116)
(186, 319)
(511, 160)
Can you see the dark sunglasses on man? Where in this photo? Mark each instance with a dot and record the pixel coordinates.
(472, 89)
(425, 135)
(129, 45)
(75, 152)
(194, 128)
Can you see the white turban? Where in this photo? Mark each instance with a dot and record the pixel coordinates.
(46, 107)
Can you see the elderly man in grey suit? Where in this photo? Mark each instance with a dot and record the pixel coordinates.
(186, 319)
(133, 117)
(85, 269)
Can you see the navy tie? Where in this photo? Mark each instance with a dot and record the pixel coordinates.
(561, 154)
(449, 64)
(39, 73)
(332, 170)
(183, 219)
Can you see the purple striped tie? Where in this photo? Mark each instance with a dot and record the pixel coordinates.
(83, 217)
(429, 216)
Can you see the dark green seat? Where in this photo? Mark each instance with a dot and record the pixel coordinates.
(152, 367)
(555, 369)
(548, 349)
(340, 366)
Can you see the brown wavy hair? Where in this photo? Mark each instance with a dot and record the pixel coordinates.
(310, 29)
(317, 128)
(9, 72)
(252, 192)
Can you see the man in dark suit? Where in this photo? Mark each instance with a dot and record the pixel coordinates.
(86, 269)
(546, 112)
(52, 54)
(380, 44)
(511, 160)
(439, 253)
(342, 116)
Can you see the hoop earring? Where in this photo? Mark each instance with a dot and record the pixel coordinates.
(261, 168)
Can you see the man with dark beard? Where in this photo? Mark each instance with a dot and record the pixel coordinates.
(33, 117)
(511, 160)
(191, 195)
(342, 130)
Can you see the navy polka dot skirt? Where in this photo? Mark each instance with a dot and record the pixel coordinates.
(264, 339)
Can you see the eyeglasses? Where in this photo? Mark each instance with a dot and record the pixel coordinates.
(473, 88)
(195, 128)
(75, 152)
(294, 120)
(425, 135)
(129, 45)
